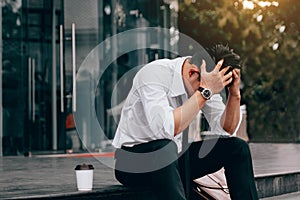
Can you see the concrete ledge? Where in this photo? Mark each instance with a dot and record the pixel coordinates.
(277, 184)
(267, 185)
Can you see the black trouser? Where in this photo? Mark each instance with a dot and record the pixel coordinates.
(134, 169)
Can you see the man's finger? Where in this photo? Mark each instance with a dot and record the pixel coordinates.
(224, 70)
(227, 76)
(219, 65)
(228, 81)
(203, 66)
(236, 73)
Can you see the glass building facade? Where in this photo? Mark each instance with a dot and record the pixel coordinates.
(43, 44)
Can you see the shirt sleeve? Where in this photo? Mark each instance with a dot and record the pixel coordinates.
(213, 111)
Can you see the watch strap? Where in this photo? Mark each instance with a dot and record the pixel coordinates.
(201, 89)
(205, 92)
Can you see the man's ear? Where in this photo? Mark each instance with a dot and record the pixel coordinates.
(192, 72)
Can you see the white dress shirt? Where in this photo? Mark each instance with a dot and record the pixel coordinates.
(147, 113)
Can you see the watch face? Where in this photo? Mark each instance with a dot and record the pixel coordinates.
(207, 93)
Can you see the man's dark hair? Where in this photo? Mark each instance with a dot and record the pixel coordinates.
(219, 52)
(216, 53)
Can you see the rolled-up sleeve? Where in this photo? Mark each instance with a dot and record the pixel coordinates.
(213, 111)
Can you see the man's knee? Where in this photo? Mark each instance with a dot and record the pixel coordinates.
(241, 148)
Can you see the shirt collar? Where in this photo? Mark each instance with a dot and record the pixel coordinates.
(177, 87)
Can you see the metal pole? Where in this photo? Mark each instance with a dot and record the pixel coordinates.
(54, 94)
(74, 95)
(114, 51)
(1, 105)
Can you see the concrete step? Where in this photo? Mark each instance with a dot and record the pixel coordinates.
(269, 185)
(290, 196)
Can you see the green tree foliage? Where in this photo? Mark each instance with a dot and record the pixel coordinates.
(268, 40)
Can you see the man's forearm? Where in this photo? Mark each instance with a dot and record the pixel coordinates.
(185, 114)
(231, 116)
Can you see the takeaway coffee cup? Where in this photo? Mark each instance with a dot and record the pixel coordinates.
(84, 177)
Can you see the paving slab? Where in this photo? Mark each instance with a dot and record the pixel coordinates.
(274, 158)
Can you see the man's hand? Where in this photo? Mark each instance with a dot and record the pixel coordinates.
(231, 115)
(234, 89)
(216, 80)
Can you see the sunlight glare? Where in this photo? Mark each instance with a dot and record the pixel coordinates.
(259, 18)
(282, 29)
(275, 46)
(264, 3)
(248, 4)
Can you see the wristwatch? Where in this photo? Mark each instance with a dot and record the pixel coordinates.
(206, 93)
